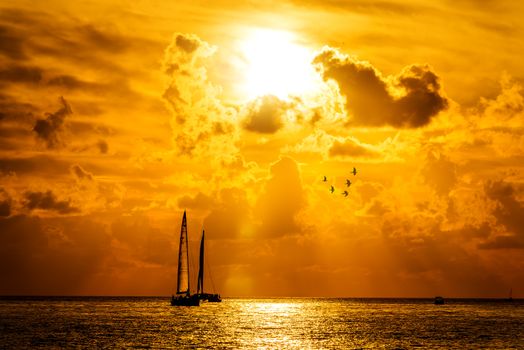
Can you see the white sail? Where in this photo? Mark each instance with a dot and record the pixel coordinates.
(183, 260)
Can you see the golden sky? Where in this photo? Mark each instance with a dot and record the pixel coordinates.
(117, 116)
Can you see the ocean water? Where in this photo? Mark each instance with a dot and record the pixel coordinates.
(101, 322)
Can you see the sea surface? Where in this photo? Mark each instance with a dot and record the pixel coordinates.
(294, 323)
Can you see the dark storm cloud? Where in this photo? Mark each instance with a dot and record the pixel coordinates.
(264, 115)
(48, 201)
(49, 129)
(368, 94)
(509, 213)
(350, 148)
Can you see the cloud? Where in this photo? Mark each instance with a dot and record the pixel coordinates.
(201, 122)
(509, 213)
(16, 121)
(506, 109)
(102, 146)
(440, 173)
(43, 256)
(13, 110)
(421, 252)
(351, 147)
(42, 164)
(80, 173)
(48, 201)
(264, 114)
(49, 129)
(281, 201)
(230, 216)
(21, 74)
(73, 83)
(364, 7)
(408, 100)
(144, 241)
(5, 203)
(200, 201)
(11, 44)
(188, 44)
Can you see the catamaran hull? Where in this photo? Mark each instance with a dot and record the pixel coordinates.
(192, 300)
(212, 298)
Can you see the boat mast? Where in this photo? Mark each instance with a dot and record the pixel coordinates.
(183, 260)
(200, 287)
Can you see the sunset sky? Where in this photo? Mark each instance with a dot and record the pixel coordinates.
(117, 116)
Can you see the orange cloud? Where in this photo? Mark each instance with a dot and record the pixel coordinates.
(265, 114)
(281, 201)
(201, 122)
(436, 204)
(49, 129)
(350, 147)
(408, 100)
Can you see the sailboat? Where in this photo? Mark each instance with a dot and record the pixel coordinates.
(183, 295)
(214, 298)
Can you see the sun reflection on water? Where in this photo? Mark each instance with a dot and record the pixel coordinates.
(260, 324)
(266, 320)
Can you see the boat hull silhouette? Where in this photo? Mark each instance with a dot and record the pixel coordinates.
(212, 298)
(185, 300)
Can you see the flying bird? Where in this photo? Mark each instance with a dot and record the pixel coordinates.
(348, 183)
(354, 171)
(345, 193)
(332, 189)
(325, 178)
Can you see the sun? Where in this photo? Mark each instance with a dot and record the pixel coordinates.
(274, 63)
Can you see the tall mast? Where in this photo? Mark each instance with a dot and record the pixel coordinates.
(183, 260)
(200, 287)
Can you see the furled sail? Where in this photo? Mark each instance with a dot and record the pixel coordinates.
(200, 286)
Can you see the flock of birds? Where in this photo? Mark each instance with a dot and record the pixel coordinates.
(345, 193)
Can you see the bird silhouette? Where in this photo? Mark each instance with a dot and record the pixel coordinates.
(345, 193)
(332, 189)
(354, 171)
(325, 178)
(348, 183)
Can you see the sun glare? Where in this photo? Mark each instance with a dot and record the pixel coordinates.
(276, 64)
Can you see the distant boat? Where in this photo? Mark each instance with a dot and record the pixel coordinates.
(439, 300)
(183, 295)
(213, 298)
(510, 298)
